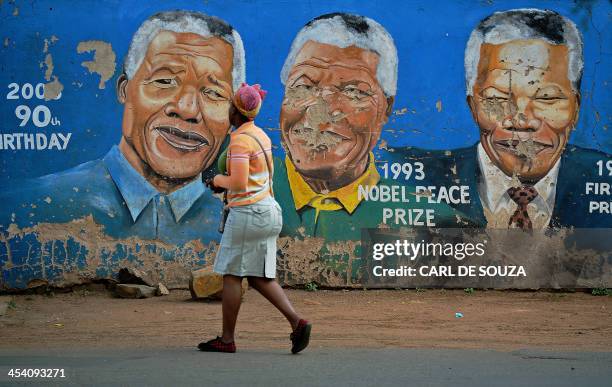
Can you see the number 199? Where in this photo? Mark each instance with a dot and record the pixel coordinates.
(608, 166)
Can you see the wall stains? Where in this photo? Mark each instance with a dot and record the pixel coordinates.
(49, 64)
(303, 261)
(383, 145)
(103, 62)
(49, 42)
(64, 254)
(53, 89)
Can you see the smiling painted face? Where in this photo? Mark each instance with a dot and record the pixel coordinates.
(333, 111)
(177, 104)
(525, 105)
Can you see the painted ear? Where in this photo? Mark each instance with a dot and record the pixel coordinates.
(122, 82)
(577, 113)
(390, 101)
(470, 101)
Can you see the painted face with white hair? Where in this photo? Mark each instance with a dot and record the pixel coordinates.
(177, 103)
(178, 77)
(523, 69)
(333, 111)
(340, 80)
(525, 105)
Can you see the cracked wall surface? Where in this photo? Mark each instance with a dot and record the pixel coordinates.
(65, 254)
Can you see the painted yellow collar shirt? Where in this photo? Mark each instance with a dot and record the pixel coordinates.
(346, 198)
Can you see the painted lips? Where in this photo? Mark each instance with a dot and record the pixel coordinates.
(300, 130)
(518, 146)
(185, 141)
(318, 141)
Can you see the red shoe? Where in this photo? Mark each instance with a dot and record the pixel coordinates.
(300, 336)
(216, 345)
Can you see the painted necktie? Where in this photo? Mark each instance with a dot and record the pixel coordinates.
(522, 196)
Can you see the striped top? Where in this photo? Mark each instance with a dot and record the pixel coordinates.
(243, 148)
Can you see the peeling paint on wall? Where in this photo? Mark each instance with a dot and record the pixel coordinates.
(302, 261)
(103, 62)
(319, 115)
(49, 42)
(53, 89)
(64, 254)
(50, 68)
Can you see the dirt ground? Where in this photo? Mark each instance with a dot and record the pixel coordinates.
(357, 318)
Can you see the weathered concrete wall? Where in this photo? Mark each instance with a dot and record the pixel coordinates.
(102, 164)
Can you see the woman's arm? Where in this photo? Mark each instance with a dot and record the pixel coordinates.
(238, 159)
(238, 178)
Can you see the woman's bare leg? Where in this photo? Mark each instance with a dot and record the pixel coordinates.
(232, 288)
(272, 291)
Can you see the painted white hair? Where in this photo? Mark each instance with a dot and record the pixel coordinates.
(182, 22)
(344, 30)
(522, 24)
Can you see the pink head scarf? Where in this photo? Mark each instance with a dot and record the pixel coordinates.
(248, 100)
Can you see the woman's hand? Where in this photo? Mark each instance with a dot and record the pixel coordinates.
(213, 187)
(221, 181)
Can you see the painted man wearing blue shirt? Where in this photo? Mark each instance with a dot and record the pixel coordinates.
(178, 77)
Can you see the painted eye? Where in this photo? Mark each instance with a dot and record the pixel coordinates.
(496, 98)
(355, 93)
(302, 86)
(213, 94)
(493, 95)
(549, 94)
(303, 83)
(164, 83)
(549, 98)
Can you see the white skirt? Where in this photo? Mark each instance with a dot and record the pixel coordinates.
(248, 244)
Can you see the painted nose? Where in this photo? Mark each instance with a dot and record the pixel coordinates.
(521, 117)
(186, 107)
(316, 115)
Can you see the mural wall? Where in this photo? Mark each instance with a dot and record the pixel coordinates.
(481, 141)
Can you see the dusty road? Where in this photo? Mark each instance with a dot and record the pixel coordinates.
(377, 319)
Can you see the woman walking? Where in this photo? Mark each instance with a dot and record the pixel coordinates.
(248, 245)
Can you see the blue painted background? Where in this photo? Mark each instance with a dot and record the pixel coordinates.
(430, 38)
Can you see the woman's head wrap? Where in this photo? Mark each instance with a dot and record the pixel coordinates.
(248, 100)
